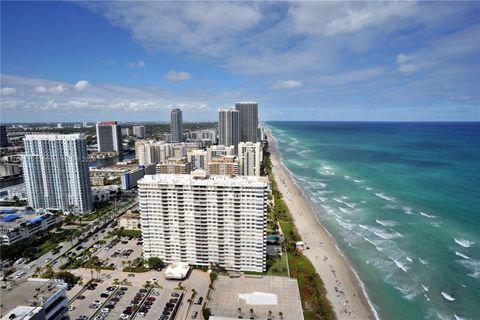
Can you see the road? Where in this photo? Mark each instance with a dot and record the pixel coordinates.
(58, 259)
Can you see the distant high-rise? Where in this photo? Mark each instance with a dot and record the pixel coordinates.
(249, 158)
(248, 120)
(139, 131)
(229, 127)
(176, 126)
(3, 136)
(109, 137)
(56, 172)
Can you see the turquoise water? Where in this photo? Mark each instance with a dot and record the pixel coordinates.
(402, 200)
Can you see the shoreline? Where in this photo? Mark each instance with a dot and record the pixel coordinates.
(345, 291)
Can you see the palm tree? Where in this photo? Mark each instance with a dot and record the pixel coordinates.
(280, 314)
(269, 314)
(251, 314)
(239, 312)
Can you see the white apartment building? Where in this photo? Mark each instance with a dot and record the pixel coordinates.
(249, 158)
(197, 159)
(200, 219)
(56, 172)
(139, 131)
(153, 152)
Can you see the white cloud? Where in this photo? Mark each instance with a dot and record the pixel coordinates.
(106, 98)
(407, 68)
(403, 58)
(333, 18)
(287, 84)
(7, 91)
(82, 85)
(40, 89)
(58, 89)
(174, 75)
(139, 64)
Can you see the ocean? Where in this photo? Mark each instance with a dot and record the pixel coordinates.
(402, 201)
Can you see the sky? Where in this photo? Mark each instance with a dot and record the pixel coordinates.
(334, 61)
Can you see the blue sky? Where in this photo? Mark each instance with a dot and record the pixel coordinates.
(92, 61)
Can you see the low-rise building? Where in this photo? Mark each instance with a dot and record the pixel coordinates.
(130, 220)
(98, 181)
(104, 193)
(34, 299)
(16, 225)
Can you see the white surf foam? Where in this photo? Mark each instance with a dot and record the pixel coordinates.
(386, 223)
(473, 266)
(344, 210)
(409, 259)
(425, 288)
(347, 177)
(447, 296)
(458, 317)
(358, 181)
(407, 210)
(462, 255)
(381, 233)
(322, 199)
(384, 196)
(427, 215)
(337, 200)
(350, 205)
(399, 264)
(422, 261)
(464, 242)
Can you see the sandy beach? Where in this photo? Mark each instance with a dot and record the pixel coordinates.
(343, 287)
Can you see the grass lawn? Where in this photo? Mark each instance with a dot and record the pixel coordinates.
(278, 267)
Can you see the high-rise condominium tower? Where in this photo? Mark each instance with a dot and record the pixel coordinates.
(176, 125)
(109, 136)
(249, 158)
(139, 131)
(248, 120)
(56, 172)
(3, 136)
(201, 220)
(229, 127)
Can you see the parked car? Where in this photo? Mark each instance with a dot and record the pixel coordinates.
(81, 297)
(200, 300)
(174, 294)
(194, 315)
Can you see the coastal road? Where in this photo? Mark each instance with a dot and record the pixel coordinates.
(58, 259)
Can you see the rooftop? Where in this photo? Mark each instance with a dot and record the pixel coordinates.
(212, 180)
(262, 294)
(10, 219)
(52, 137)
(27, 292)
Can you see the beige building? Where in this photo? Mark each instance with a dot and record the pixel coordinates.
(219, 151)
(226, 165)
(130, 220)
(174, 166)
(249, 158)
(98, 181)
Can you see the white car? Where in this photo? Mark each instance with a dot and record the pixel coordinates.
(141, 314)
(124, 316)
(105, 310)
(71, 308)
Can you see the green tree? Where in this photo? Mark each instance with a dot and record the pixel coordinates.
(155, 263)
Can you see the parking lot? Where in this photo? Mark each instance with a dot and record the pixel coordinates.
(120, 253)
(82, 307)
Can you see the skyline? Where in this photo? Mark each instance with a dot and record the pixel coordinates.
(343, 61)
